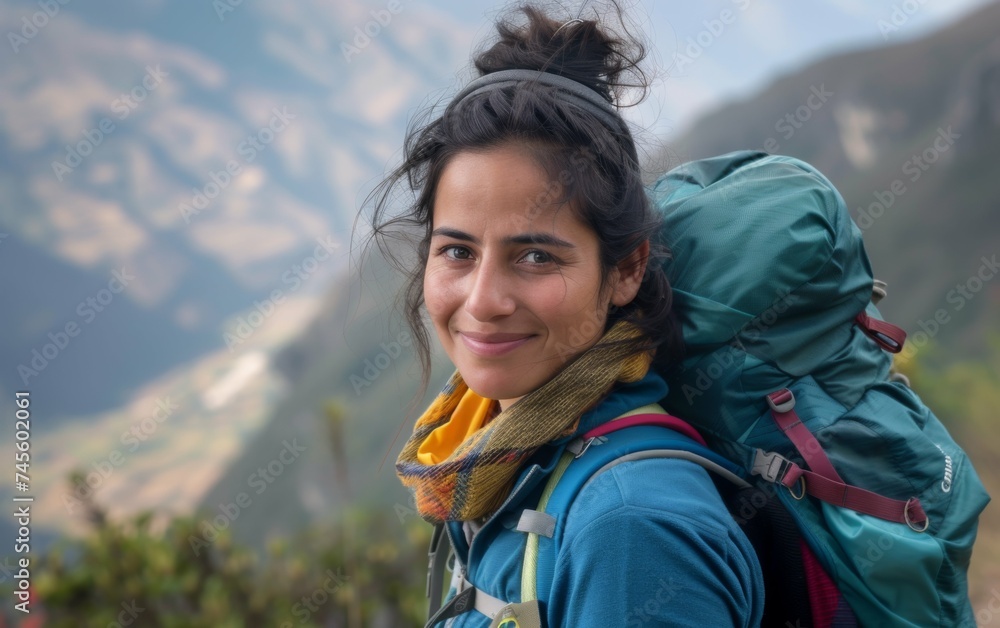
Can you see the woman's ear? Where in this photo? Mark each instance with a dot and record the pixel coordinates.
(629, 274)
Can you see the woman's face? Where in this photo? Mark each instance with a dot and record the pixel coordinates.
(512, 283)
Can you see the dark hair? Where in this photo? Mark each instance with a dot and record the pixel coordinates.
(597, 166)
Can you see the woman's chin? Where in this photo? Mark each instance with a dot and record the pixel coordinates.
(489, 387)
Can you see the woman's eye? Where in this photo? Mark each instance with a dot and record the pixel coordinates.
(537, 257)
(456, 252)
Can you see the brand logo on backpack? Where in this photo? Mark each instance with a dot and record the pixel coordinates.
(946, 482)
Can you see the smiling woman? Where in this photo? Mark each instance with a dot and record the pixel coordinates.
(506, 294)
(539, 268)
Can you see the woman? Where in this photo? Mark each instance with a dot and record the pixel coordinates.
(539, 270)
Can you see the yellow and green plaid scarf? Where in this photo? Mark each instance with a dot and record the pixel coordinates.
(475, 479)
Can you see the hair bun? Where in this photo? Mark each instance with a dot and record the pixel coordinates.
(588, 51)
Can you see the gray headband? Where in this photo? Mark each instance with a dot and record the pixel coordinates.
(575, 92)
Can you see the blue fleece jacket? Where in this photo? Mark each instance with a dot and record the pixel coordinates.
(646, 543)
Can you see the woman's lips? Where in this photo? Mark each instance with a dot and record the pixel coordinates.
(493, 344)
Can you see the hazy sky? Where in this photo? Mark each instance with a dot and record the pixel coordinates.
(762, 39)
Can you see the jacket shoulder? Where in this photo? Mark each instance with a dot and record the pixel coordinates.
(654, 534)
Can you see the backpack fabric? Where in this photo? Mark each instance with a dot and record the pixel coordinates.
(770, 275)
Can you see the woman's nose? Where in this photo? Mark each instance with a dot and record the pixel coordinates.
(489, 292)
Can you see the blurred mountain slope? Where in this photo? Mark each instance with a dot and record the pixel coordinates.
(910, 134)
(205, 152)
(921, 250)
(358, 356)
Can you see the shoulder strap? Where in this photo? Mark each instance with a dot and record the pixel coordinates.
(437, 561)
(634, 436)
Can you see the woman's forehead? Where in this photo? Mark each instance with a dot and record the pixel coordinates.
(502, 184)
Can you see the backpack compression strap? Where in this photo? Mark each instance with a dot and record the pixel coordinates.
(822, 481)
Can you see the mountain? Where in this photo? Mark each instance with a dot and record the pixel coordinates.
(910, 134)
(861, 117)
(206, 153)
(168, 100)
(358, 358)
(179, 187)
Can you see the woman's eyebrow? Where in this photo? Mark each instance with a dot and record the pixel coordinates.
(454, 233)
(523, 238)
(537, 238)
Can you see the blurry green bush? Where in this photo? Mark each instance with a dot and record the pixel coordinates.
(364, 570)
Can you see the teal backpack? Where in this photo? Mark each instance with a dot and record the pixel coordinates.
(774, 288)
(862, 508)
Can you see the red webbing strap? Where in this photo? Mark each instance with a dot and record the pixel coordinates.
(823, 482)
(782, 405)
(887, 335)
(666, 420)
(910, 512)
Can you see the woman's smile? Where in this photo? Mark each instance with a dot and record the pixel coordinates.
(488, 345)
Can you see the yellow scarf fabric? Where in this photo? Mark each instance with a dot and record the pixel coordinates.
(469, 416)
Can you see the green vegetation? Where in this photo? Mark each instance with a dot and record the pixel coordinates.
(965, 396)
(363, 570)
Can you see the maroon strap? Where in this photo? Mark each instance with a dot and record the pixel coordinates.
(664, 420)
(823, 482)
(910, 512)
(887, 335)
(782, 405)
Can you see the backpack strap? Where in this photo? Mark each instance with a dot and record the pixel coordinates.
(437, 561)
(647, 432)
(632, 437)
(822, 481)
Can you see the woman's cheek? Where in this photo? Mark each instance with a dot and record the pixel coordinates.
(441, 290)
